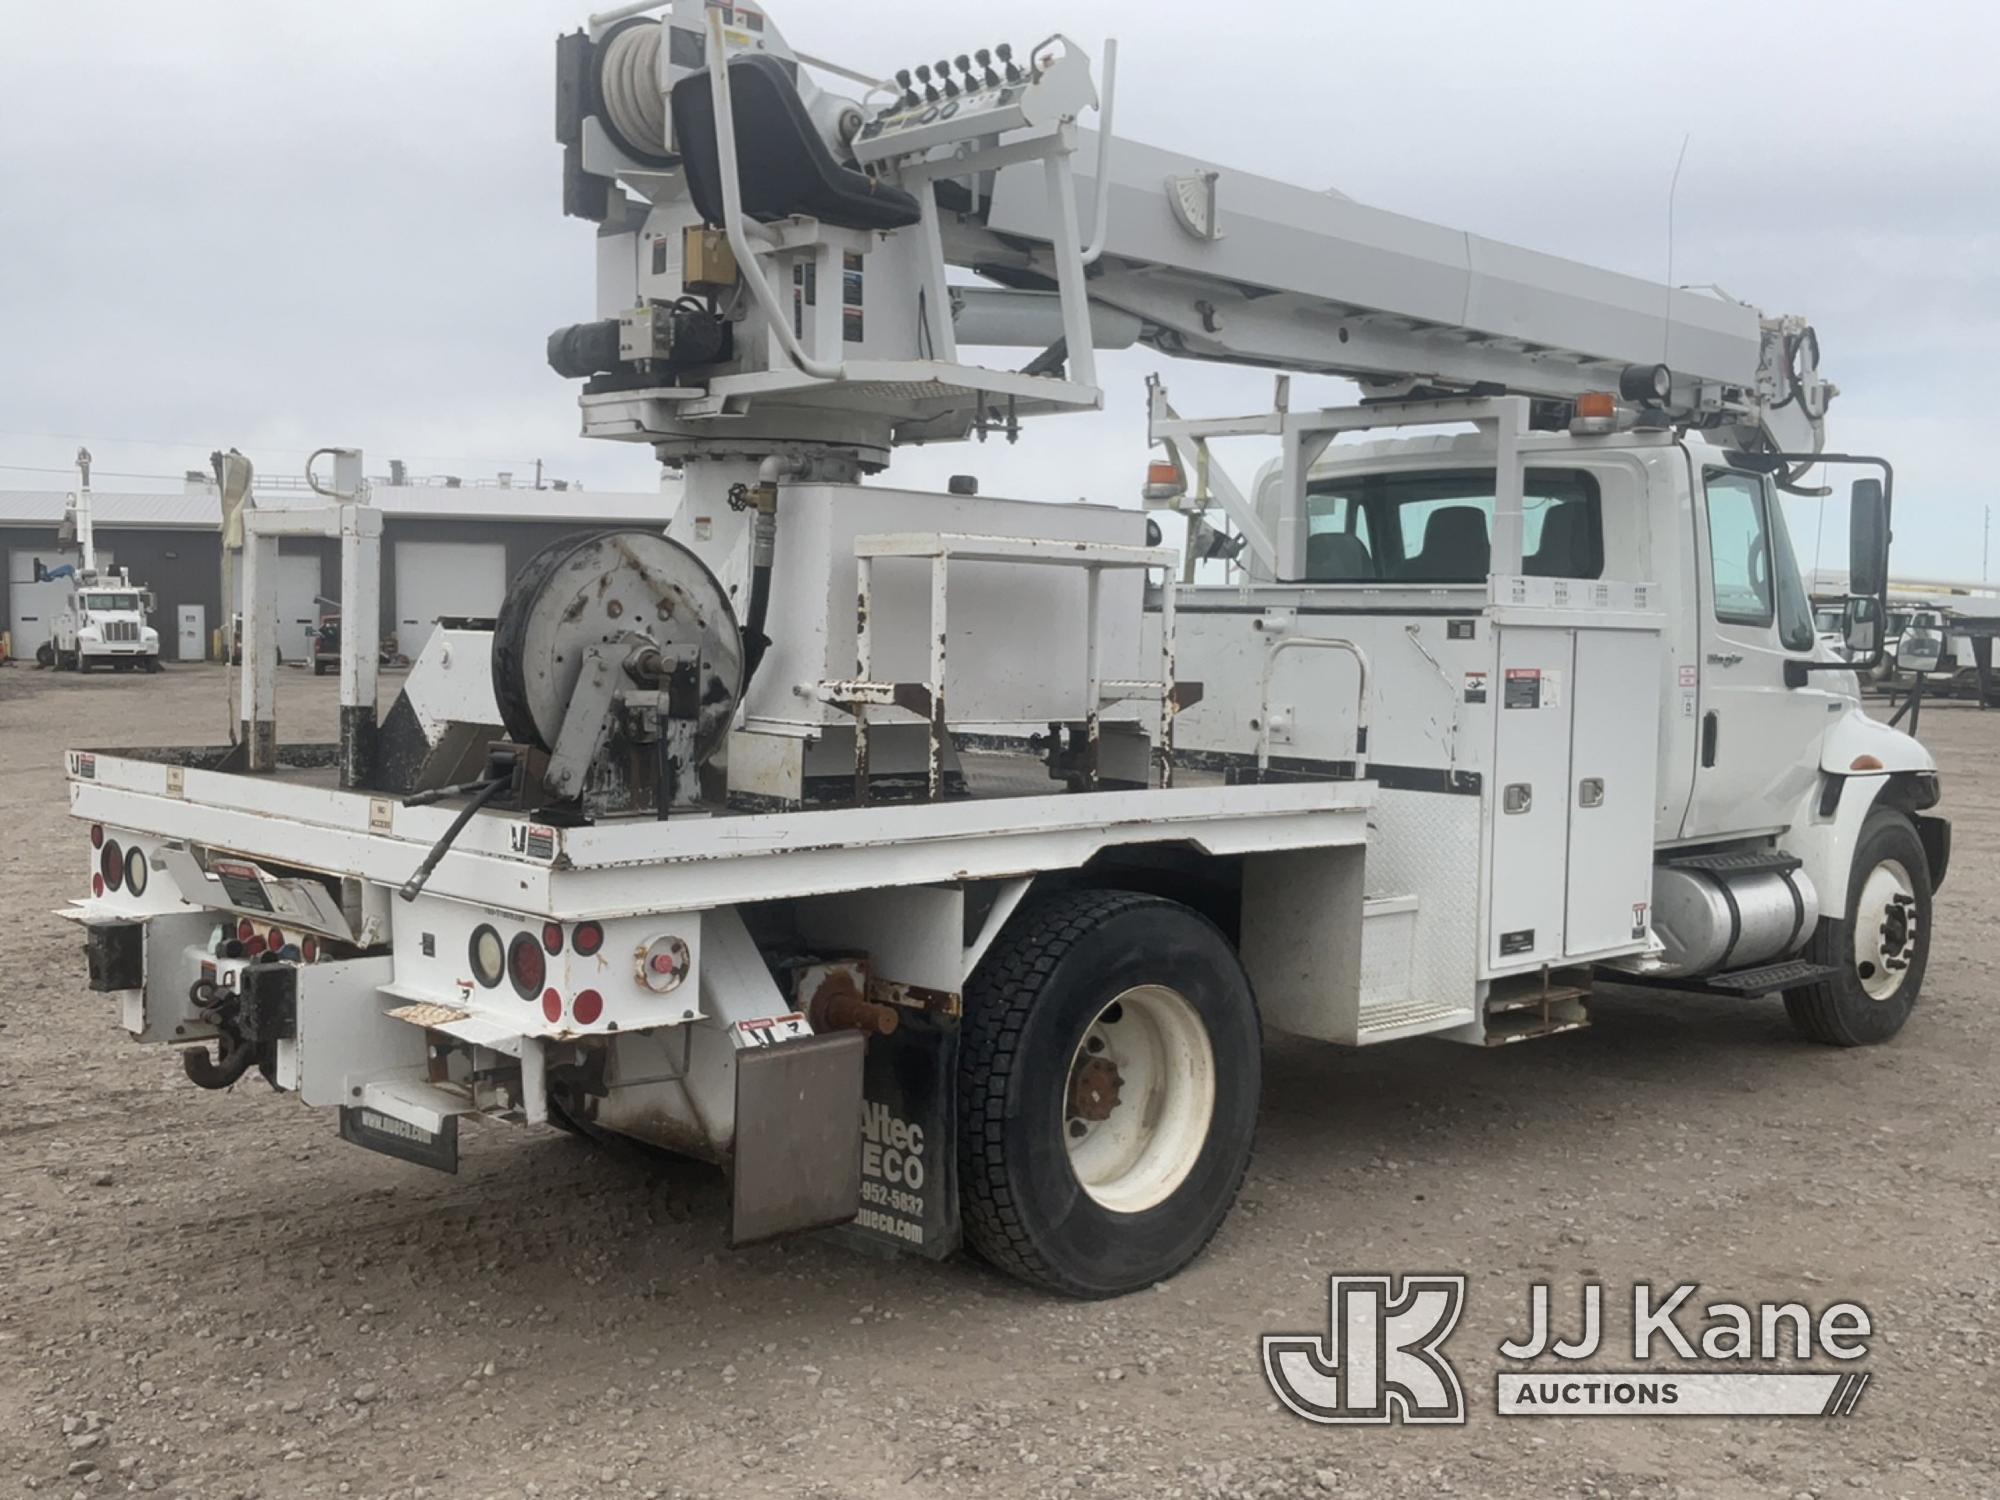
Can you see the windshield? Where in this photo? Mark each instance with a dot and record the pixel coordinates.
(111, 601)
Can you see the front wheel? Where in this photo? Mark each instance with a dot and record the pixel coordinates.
(1109, 1070)
(1879, 950)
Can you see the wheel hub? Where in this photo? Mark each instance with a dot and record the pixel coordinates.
(1140, 1098)
(1886, 929)
(1093, 1089)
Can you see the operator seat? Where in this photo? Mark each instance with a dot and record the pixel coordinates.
(1337, 557)
(1455, 550)
(784, 165)
(1564, 548)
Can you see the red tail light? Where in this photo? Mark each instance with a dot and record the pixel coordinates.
(274, 940)
(309, 948)
(588, 1007)
(97, 885)
(111, 864)
(97, 835)
(552, 1007)
(589, 937)
(526, 966)
(552, 936)
(245, 929)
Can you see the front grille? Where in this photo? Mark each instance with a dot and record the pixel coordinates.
(121, 630)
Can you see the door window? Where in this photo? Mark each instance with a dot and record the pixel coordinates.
(1755, 576)
(1739, 549)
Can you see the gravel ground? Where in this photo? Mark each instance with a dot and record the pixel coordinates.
(210, 1295)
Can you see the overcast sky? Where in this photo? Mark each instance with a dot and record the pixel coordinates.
(280, 225)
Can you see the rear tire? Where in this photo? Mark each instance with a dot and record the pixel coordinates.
(1109, 1070)
(1880, 947)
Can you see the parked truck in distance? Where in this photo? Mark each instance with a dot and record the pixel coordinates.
(102, 623)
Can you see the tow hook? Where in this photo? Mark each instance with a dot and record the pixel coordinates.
(234, 1052)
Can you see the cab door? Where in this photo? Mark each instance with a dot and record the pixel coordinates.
(1757, 740)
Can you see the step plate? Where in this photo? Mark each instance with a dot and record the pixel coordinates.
(1737, 862)
(1770, 978)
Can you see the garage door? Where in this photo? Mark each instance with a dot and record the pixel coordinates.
(298, 603)
(32, 606)
(445, 580)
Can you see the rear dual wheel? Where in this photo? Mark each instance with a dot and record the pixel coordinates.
(1109, 1071)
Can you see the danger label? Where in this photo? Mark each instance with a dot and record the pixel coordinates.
(1524, 687)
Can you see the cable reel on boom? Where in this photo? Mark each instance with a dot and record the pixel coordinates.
(619, 655)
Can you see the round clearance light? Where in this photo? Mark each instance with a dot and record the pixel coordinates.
(309, 948)
(589, 1008)
(111, 864)
(552, 936)
(96, 885)
(487, 955)
(588, 938)
(97, 835)
(551, 1007)
(663, 964)
(526, 966)
(137, 871)
(245, 929)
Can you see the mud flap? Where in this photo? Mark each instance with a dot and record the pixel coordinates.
(797, 1159)
(437, 1149)
(116, 952)
(909, 1141)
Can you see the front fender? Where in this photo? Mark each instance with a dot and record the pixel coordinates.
(1854, 735)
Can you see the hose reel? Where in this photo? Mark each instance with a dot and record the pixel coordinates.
(619, 655)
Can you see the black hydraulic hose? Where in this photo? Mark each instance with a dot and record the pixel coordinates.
(487, 791)
(755, 642)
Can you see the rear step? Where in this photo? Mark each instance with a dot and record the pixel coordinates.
(1768, 979)
(1522, 1007)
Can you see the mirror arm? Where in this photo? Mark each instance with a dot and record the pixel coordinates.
(1798, 672)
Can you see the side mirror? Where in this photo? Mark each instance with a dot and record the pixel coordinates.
(1864, 627)
(1867, 539)
(1919, 648)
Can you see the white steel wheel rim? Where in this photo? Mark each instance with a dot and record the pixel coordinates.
(1885, 930)
(1161, 1099)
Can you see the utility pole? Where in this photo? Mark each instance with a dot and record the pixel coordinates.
(1986, 544)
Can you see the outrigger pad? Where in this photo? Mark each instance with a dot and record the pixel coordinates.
(783, 165)
(798, 1136)
(117, 955)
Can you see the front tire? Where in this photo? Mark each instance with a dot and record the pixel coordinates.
(1109, 1071)
(1879, 949)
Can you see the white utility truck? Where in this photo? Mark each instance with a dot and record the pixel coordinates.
(101, 620)
(937, 862)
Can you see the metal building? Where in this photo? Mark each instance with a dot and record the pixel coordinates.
(448, 551)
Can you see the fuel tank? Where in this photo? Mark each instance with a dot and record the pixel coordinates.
(1711, 918)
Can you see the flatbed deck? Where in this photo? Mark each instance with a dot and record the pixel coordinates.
(299, 816)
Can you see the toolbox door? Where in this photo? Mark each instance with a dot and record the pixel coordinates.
(1529, 803)
(1614, 753)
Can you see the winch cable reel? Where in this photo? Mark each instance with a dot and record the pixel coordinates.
(613, 647)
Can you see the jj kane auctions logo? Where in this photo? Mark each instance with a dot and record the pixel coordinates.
(1381, 1359)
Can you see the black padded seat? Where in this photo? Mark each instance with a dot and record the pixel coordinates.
(1455, 548)
(784, 166)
